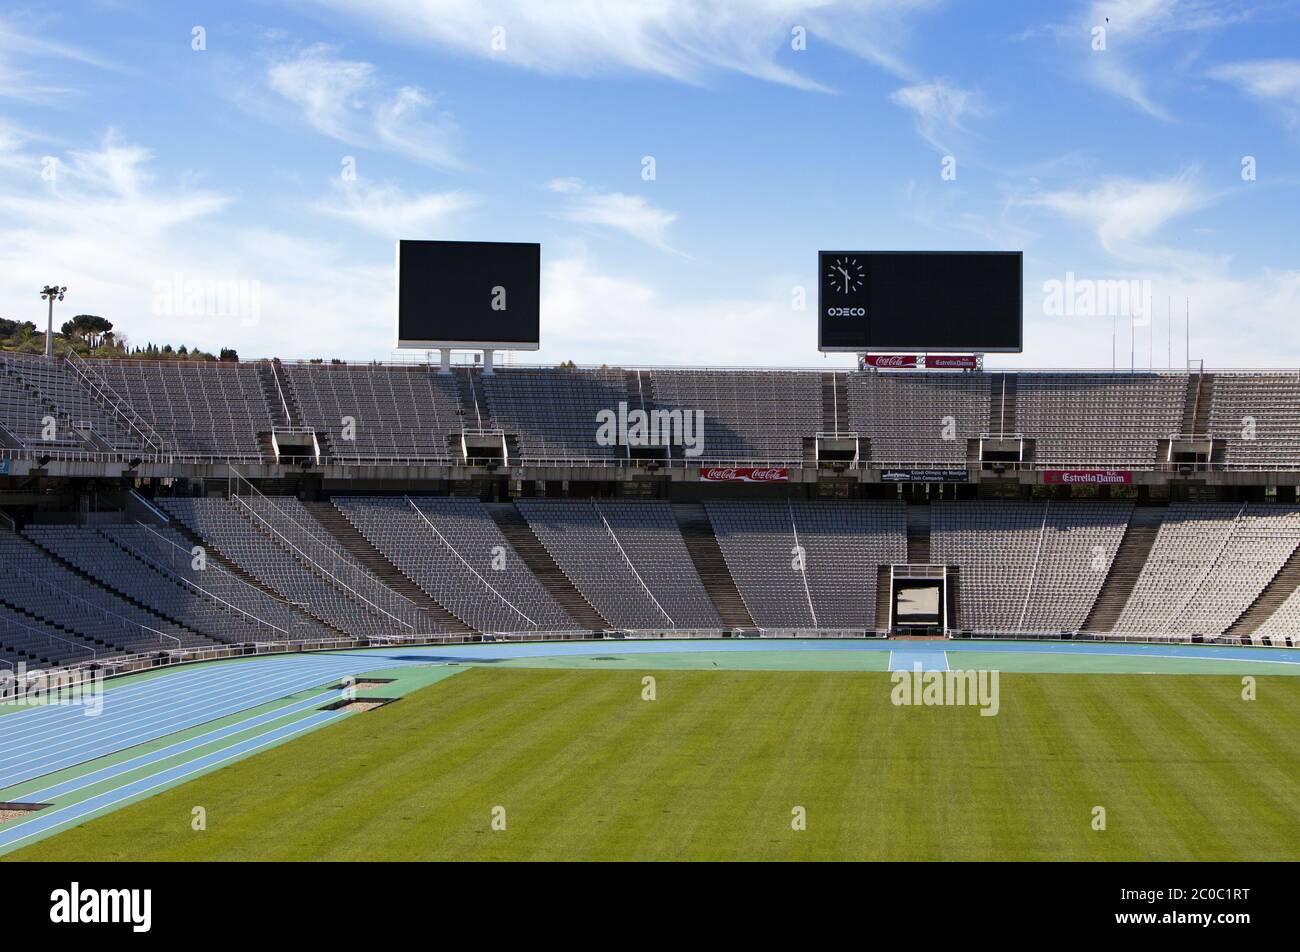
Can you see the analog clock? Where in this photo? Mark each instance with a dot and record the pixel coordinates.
(847, 275)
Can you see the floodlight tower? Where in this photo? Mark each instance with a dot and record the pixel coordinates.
(51, 293)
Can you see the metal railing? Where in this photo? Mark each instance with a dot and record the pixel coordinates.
(100, 389)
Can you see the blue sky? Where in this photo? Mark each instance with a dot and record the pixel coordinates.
(287, 151)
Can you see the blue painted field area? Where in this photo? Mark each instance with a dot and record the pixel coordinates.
(161, 729)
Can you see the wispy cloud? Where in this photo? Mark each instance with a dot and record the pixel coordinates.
(22, 52)
(631, 214)
(1133, 31)
(389, 211)
(939, 109)
(1275, 82)
(683, 39)
(346, 100)
(1125, 214)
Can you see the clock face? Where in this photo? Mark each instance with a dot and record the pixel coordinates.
(847, 275)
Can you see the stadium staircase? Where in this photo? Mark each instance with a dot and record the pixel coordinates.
(954, 597)
(1196, 408)
(524, 541)
(884, 592)
(474, 415)
(1002, 404)
(639, 394)
(711, 566)
(918, 535)
(278, 393)
(835, 402)
(1125, 568)
(1274, 594)
(359, 547)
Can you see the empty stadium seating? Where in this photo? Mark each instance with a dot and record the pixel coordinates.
(627, 558)
(207, 408)
(37, 585)
(1114, 419)
(913, 420)
(1027, 566)
(453, 550)
(553, 413)
(300, 567)
(412, 414)
(750, 416)
(1258, 418)
(833, 584)
(33, 389)
(170, 553)
(1208, 564)
(395, 412)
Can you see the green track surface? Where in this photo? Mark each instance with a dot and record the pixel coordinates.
(585, 769)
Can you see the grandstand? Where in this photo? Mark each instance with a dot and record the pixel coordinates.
(360, 503)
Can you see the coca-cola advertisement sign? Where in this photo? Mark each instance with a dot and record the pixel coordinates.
(743, 474)
(951, 361)
(1087, 477)
(891, 361)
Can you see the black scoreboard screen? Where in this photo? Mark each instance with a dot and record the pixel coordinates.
(472, 294)
(928, 301)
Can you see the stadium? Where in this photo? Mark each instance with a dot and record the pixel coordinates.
(249, 574)
(793, 432)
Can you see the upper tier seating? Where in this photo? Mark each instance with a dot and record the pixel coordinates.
(396, 412)
(399, 414)
(32, 388)
(1111, 419)
(209, 408)
(1258, 415)
(553, 413)
(750, 416)
(916, 419)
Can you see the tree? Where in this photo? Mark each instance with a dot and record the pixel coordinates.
(228, 353)
(87, 327)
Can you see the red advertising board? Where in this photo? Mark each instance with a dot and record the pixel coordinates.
(917, 362)
(891, 361)
(1097, 477)
(951, 361)
(743, 474)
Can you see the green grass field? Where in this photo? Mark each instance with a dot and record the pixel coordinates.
(586, 769)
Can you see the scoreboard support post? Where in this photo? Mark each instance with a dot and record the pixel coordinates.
(445, 366)
(487, 363)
